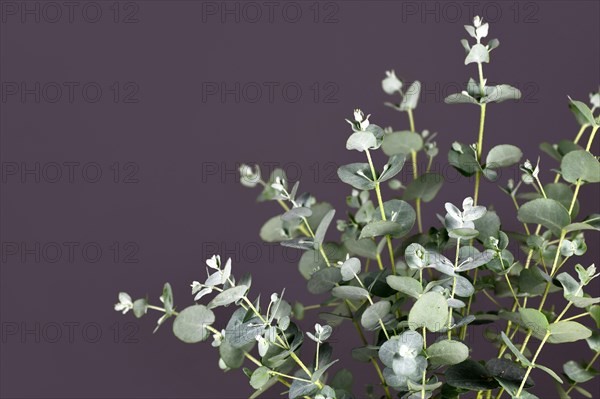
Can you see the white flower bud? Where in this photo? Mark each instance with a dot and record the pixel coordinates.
(391, 84)
(358, 115)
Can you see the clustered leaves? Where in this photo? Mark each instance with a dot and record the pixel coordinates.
(409, 291)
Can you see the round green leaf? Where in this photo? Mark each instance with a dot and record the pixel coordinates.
(361, 141)
(547, 212)
(228, 296)
(324, 280)
(190, 325)
(402, 143)
(580, 165)
(535, 321)
(260, 377)
(430, 311)
(502, 156)
(446, 353)
(478, 53)
(424, 187)
(358, 175)
(272, 230)
(577, 372)
(371, 316)
(350, 292)
(406, 285)
(233, 357)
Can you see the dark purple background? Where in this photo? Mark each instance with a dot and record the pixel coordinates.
(176, 146)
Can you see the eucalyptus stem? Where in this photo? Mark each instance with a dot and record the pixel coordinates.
(418, 200)
(479, 151)
(411, 120)
(425, 370)
(453, 290)
(529, 368)
(481, 128)
(381, 209)
(463, 329)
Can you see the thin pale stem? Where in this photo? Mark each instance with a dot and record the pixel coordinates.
(381, 210)
(535, 356)
(453, 290)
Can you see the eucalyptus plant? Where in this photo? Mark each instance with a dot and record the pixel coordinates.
(408, 292)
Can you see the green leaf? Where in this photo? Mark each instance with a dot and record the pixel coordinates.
(358, 175)
(264, 388)
(400, 220)
(167, 298)
(595, 313)
(488, 225)
(430, 311)
(507, 370)
(567, 331)
(269, 193)
(228, 296)
(302, 388)
(411, 97)
(578, 372)
(579, 227)
(582, 112)
(463, 159)
(243, 333)
(594, 341)
(551, 151)
(478, 53)
(350, 292)
(547, 212)
(361, 141)
(535, 321)
(260, 377)
(402, 143)
(366, 248)
(512, 388)
(140, 307)
(350, 269)
(514, 350)
(580, 165)
(502, 156)
(323, 226)
(382, 228)
(563, 194)
(500, 93)
(550, 372)
(470, 375)
(342, 380)
(460, 98)
(424, 187)
(371, 316)
(406, 285)
(296, 214)
(190, 325)
(393, 166)
(365, 353)
(322, 369)
(233, 357)
(273, 231)
(463, 233)
(445, 353)
(324, 280)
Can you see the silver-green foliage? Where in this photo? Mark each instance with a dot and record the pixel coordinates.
(409, 291)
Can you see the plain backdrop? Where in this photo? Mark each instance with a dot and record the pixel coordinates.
(123, 123)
